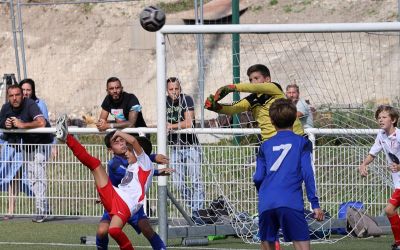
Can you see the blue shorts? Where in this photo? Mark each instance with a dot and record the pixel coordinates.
(292, 222)
(133, 220)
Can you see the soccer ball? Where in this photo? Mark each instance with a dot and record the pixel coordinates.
(152, 18)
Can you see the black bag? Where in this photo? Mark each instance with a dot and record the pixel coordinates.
(220, 207)
(208, 216)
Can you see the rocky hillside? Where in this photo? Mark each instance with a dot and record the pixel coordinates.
(72, 49)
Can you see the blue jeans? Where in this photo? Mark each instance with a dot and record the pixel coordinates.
(36, 165)
(187, 178)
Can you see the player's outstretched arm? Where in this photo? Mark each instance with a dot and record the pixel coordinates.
(165, 171)
(130, 140)
(211, 104)
(224, 91)
(363, 168)
(161, 159)
(268, 88)
(229, 109)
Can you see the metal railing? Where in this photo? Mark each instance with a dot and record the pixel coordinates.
(226, 170)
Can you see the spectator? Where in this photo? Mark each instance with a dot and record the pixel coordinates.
(37, 176)
(11, 173)
(185, 154)
(29, 91)
(24, 113)
(123, 107)
(304, 112)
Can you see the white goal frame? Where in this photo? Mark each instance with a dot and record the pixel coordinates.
(229, 29)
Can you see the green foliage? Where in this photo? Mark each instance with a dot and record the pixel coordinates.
(91, 139)
(256, 8)
(287, 8)
(346, 118)
(372, 12)
(87, 8)
(273, 2)
(177, 6)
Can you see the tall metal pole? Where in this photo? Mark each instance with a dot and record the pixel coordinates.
(161, 136)
(14, 31)
(235, 58)
(21, 38)
(200, 57)
(398, 14)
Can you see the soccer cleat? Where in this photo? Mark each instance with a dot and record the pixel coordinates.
(62, 128)
(39, 218)
(395, 247)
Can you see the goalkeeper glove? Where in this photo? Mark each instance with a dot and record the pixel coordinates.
(224, 91)
(211, 104)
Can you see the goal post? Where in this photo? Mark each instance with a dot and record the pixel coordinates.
(345, 69)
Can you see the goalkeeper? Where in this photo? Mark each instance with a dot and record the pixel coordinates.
(263, 94)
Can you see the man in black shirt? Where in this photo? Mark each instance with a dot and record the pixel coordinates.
(122, 106)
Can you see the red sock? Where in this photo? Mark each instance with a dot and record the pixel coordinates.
(121, 238)
(395, 223)
(80, 152)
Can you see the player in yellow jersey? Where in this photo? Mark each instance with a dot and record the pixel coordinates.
(263, 94)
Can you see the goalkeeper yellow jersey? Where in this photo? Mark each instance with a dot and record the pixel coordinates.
(259, 102)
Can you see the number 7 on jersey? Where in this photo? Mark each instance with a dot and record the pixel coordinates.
(285, 150)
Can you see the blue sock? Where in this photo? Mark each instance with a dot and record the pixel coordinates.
(157, 243)
(102, 243)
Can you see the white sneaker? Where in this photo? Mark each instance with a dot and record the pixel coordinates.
(62, 128)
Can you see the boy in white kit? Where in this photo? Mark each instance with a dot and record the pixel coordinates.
(388, 140)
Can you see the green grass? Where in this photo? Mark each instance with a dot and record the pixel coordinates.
(60, 234)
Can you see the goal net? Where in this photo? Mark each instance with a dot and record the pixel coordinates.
(344, 71)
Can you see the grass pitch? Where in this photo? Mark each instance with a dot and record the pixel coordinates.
(65, 233)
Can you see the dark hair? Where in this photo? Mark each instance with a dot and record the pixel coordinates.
(295, 86)
(145, 144)
(283, 113)
(174, 79)
(259, 68)
(393, 113)
(107, 139)
(143, 141)
(32, 83)
(14, 86)
(113, 79)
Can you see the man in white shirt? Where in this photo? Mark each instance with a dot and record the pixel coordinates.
(303, 109)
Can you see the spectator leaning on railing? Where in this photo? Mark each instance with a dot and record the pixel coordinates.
(24, 113)
(122, 106)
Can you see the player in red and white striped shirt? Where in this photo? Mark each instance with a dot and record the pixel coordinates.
(126, 199)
